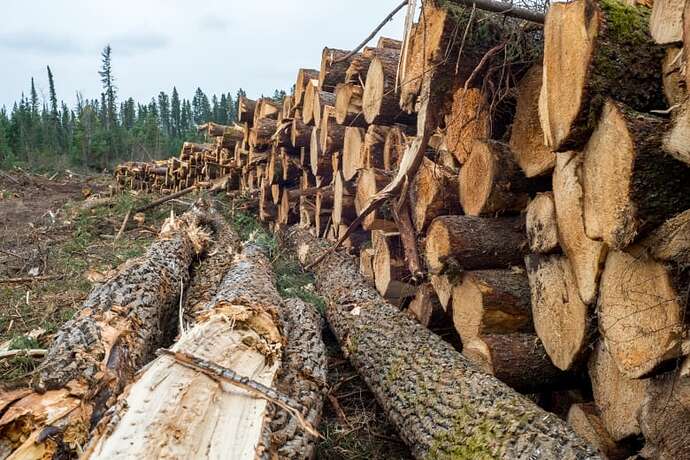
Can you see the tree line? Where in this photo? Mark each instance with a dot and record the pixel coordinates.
(99, 132)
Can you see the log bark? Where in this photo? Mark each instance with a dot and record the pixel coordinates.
(664, 416)
(491, 181)
(379, 100)
(666, 21)
(96, 355)
(618, 397)
(245, 110)
(460, 399)
(332, 68)
(491, 302)
(391, 275)
(526, 136)
(348, 105)
(542, 229)
(474, 243)
(561, 319)
(433, 192)
(304, 76)
(642, 328)
(353, 157)
(585, 419)
(585, 255)
(518, 360)
(649, 186)
(370, 182)
(610, 55)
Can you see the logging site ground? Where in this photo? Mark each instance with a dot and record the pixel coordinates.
(61, 226)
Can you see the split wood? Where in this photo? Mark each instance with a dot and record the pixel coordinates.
(218, 372)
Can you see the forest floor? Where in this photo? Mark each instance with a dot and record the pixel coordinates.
(57, 233)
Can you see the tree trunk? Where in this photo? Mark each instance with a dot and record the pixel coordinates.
(585, 419)
(379, 101)
(618, 397)
(433, 192)
(518, 360)
(304, 77)
(467, 121)
(472, 243)
(372, 151)
(642, 328)
(96, 355)
(404, 360)
(542, 229)
(333, 72)
(491, 302)
(526, 136)
(561, 319)
(391, 274)
(649, 186)
(491, 181)
(592, 50)
(370, 182)
(353, 157)
(666, 21)
(585, 255)
(348, 105)
(332, 134)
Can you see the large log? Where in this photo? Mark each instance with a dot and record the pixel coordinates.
(642, 328)
(526, 136)
(585, 419)
(561, 319)
(371, 181)
(96, 355)
(433, 192)
(391, 275)
(344, 211)
(609, 54)
(463, 413)
(334, 64)
(618, 397)
(304, 76)
(379, 100)
(586, 256)
(353, 158)
(467, 121)
(518, 360)
(491, 302)
(649, 186)
(348, 105)
(471, 243)
(542, 229)
(239, 329)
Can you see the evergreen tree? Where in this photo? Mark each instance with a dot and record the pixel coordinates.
(175, 113)
(278, 96)
(109, 89)
(53, 97)
(201, 107)
(230, 109)
(164, 109)
(128, 114)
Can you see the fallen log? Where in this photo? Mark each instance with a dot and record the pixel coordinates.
(94, 356)
(463, 412)
(610, 54)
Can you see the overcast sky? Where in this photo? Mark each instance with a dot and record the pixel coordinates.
(219, 45)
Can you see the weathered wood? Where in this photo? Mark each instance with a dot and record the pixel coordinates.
(353, 157)
(391, 275)
(491, 302)
(610, 54)
(585, 419)
(542, 229)
(462, 400)
(426, 307)
(473, 243)
(649, 186)
(561, 319)
(348, 105)
(433, 192)
(666, 21)
(585, 255)
(379, 100)
(333, 68)
(370, 182)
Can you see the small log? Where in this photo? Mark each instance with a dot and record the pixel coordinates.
(518, 360)
(400, 360)
(650, 185)
(390, 43)
(372, 149)
(344, 211)
(526, 136)
(300, 133)
(324, 209)
(310, 94)
(348, 105)
(319, 161)
(394, 147)
(670, 242)
(610, 55)
(370, 182)
(408, 237)
(267, 108)
(642, 328)
(491, 181)
(586, 420)
(561, 319)
(467, 121)
(542, 229)
(288, 209)
(322, 99)
(585, 255)
(426, 307)
(304, 76)
(666, 21)
(261, 133)
(332, 134)
(333, 68)
(474, 243)
(491, 302)
(618, 397)
(379, 100)
(391, 275)
(353, 157)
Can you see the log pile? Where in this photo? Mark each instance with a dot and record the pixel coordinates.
(526, 187)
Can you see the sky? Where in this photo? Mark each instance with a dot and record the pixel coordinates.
(218, 45)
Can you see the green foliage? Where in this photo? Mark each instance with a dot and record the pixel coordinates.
(23, 342)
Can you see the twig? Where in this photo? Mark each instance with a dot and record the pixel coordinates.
(29, 279)
(218, 372)
(339, 412)
(371, 35)
(124, 224)
(504, 8)
(33, 352)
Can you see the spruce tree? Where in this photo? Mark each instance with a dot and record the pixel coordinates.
(109, 89)
(175, 113)
(53, 97)
(164, 112)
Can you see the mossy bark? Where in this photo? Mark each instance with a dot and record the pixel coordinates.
(442, 406)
